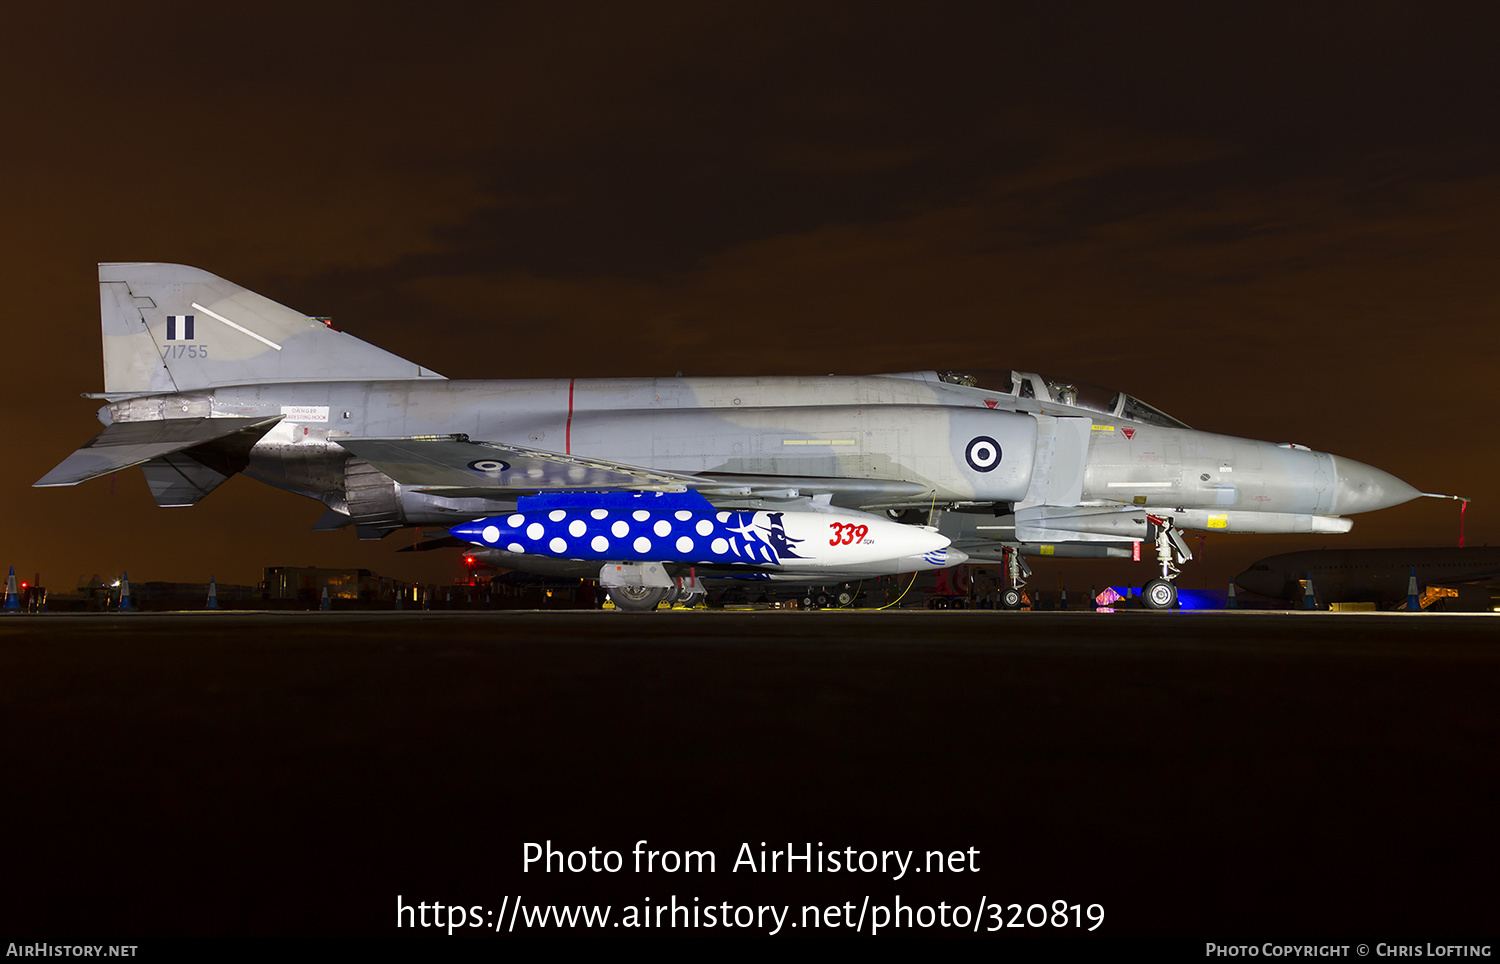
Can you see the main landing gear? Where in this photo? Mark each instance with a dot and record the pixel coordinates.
(1171, 551)
(636, 599)
(638, 587)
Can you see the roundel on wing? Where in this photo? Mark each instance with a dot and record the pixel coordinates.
(489, 466)
(982, 453)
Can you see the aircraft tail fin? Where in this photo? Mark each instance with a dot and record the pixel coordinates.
(173, 328)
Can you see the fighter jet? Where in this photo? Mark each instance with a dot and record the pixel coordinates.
(652, 485)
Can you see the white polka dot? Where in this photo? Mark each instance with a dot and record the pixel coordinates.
(599, 513)
(556, 515)
(600, 544)
(557, 545)
(490, 534)
(534, 531)
(515, 547)
(577, 528)
(684, 544)
(621, 529)
(705, 527)
(641, 515)
(643, 544)
(683, 515)
(663, 527)
(723, 516)
(719, 547)
(515, 521)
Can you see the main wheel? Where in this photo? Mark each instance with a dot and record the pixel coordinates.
(845, 596)
(1159, 594)
(636, 599)
(1010, 599)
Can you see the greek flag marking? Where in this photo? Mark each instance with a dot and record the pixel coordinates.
(186, 321)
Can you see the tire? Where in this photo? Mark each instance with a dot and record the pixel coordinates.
(1010, 599)
(846, 597)
(1159, 594)
(636, 599)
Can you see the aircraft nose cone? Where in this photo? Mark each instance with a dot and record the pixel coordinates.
(1364, 488)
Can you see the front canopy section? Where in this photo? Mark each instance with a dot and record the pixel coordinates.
(1062, 391)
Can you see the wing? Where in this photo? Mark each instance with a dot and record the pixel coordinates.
(453, 465)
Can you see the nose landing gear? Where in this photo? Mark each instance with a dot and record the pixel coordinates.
(1017, 572)
(1171, 551)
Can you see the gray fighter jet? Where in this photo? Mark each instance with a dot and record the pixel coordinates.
(652, 485)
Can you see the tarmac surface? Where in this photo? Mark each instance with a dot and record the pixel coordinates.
(1235, 777)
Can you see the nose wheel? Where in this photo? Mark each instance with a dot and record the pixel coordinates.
(1016, 572)
(1159, 594)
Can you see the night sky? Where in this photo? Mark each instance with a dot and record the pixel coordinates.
(1273, 221)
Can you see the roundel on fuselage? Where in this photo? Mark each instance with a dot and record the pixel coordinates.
(982, 453)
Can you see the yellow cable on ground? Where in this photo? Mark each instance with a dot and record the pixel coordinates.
(902, 596)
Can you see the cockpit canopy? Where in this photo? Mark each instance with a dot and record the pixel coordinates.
(1064, 392)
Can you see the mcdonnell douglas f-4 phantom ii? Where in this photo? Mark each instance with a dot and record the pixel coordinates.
(655, 484)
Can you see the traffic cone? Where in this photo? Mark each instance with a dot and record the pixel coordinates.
(1413, 604)
(213, 594)
(1309, 598)
(325, 605)
(126, 606)
(12, 599)
(1231, 601)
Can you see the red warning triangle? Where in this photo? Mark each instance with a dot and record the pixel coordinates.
(1129, 433)
(992, 402)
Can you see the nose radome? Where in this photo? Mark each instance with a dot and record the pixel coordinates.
(1364, 488)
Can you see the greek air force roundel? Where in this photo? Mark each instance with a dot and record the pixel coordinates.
(982, 453)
